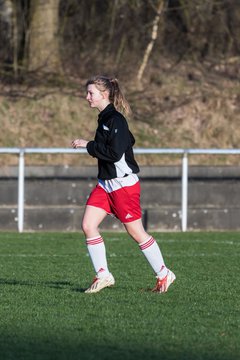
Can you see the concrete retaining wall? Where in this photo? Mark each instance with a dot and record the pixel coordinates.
(55, 198)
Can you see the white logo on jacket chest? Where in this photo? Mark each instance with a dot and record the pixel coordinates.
(105, 127)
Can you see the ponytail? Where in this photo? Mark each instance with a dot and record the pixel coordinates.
(116, 96)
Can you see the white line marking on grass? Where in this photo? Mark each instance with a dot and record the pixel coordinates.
(201, 255)
(35, 255)
(227, 242)
(172, 254)
(201, 241)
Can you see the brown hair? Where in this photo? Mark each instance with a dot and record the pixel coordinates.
(104, 83)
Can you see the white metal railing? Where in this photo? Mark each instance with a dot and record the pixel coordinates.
(184, 152)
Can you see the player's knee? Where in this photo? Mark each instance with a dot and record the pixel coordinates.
(84, 226)
(137, 233)
(87, 226)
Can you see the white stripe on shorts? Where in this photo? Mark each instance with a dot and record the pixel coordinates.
(118, 183)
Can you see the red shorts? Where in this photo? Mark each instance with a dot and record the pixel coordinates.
(123, 203)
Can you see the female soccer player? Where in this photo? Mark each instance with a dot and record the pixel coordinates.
(118, 188)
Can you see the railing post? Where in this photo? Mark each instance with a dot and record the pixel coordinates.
(184, 191)
(21, 191)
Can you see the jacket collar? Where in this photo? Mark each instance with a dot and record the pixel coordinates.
(108, 109)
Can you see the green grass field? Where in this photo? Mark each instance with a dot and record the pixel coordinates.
(44, 313)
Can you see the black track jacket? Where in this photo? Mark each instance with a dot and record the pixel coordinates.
(112, 145)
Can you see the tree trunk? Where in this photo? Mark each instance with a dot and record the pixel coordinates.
(151, 43)
(43, 53)
(6, 32)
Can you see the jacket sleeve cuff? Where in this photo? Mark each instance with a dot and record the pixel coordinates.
(90, 148)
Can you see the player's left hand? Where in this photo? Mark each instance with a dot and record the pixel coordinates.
(79, 143)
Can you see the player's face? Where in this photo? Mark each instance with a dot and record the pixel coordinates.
(95, 97)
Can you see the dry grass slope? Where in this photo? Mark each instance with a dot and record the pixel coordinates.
(183, 106)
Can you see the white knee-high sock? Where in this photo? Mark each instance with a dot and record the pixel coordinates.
(97, 253)
(154, 256)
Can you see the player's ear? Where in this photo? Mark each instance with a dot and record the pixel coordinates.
(105, 94)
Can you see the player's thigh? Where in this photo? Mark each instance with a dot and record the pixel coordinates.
(92, 218)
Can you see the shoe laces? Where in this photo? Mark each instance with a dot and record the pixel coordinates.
(94, 280)
(160, 283)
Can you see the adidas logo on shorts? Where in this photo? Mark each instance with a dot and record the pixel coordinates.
(128, 216)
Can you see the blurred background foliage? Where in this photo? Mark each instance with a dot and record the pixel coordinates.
(77, 36)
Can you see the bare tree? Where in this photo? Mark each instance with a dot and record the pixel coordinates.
(151, 43)
(43, 43)
(114, 35)
(6, 29)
